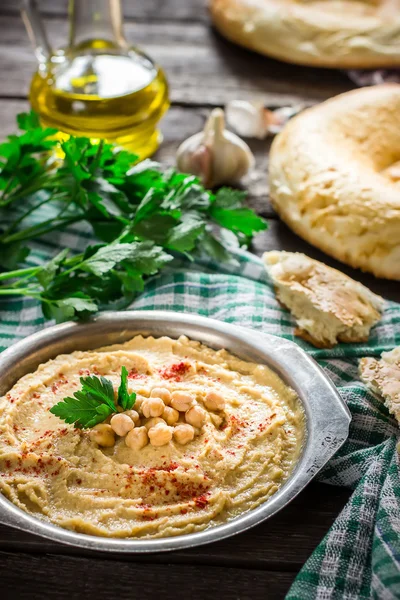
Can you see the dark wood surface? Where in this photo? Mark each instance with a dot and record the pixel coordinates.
(204, 71)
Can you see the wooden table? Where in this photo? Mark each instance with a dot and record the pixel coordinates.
(204, 71)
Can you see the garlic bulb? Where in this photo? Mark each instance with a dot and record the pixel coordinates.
(215, 155)
(253, 120)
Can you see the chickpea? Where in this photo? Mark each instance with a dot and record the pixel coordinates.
(153, 407)
(217, 420)
(214, 401)
(181, 401)
(137, 438)
(132, 414)
(196, 416)
(103, 435)
(184, 433)
(160, 435)
(121, 424)
(138, 402)
(153, 422)
(170, 415)
(163, 393)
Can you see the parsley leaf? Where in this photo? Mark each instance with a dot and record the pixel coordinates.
(183, 236)
(242, 220)
(107, 257)
(100, 389)
(229, 199)
(216, 249)
(125, 399)
(68, 308)
(46, 275)
(28, 121)
(82, 410)
(227, 210)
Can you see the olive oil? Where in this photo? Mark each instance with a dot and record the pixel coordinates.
(99, 92)
(97, 86)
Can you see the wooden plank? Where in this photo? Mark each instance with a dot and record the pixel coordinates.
(28, 577)
(202, 67)
(8, 112)
(176, 10)
(287, 538)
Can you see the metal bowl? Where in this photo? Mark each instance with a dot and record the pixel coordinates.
(327, 417)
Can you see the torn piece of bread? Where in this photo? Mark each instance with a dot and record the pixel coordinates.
(383, 377)
(329, 307)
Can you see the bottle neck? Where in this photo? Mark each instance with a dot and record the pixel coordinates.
(96, 20)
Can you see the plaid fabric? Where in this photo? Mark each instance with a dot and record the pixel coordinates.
(360, 556)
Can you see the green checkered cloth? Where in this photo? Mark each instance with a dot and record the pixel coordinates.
(360, 556)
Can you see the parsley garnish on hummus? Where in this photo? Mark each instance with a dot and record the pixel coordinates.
(94, 402)
(125, 399)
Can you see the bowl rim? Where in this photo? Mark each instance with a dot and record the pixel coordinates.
(327, 416)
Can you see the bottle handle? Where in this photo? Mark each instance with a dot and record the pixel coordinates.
(36, 31)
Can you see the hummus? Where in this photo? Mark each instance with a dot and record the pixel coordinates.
(236, 461)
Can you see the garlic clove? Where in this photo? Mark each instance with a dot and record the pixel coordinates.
(393, 171)
(196, 158)
(215, 155)
(279, 117)
(253, 120)
(248, 119)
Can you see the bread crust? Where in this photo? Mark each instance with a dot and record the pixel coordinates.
(383, 378)
(314, 33)
(329, 176)
(328, 306)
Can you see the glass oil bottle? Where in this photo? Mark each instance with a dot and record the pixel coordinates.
(98, 86)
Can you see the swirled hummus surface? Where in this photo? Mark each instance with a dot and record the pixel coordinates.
(239, 458)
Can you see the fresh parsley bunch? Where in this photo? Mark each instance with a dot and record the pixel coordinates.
(142, 215)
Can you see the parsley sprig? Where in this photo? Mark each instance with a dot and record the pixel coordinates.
(125, 399)
(142, 216)
(94, 402)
